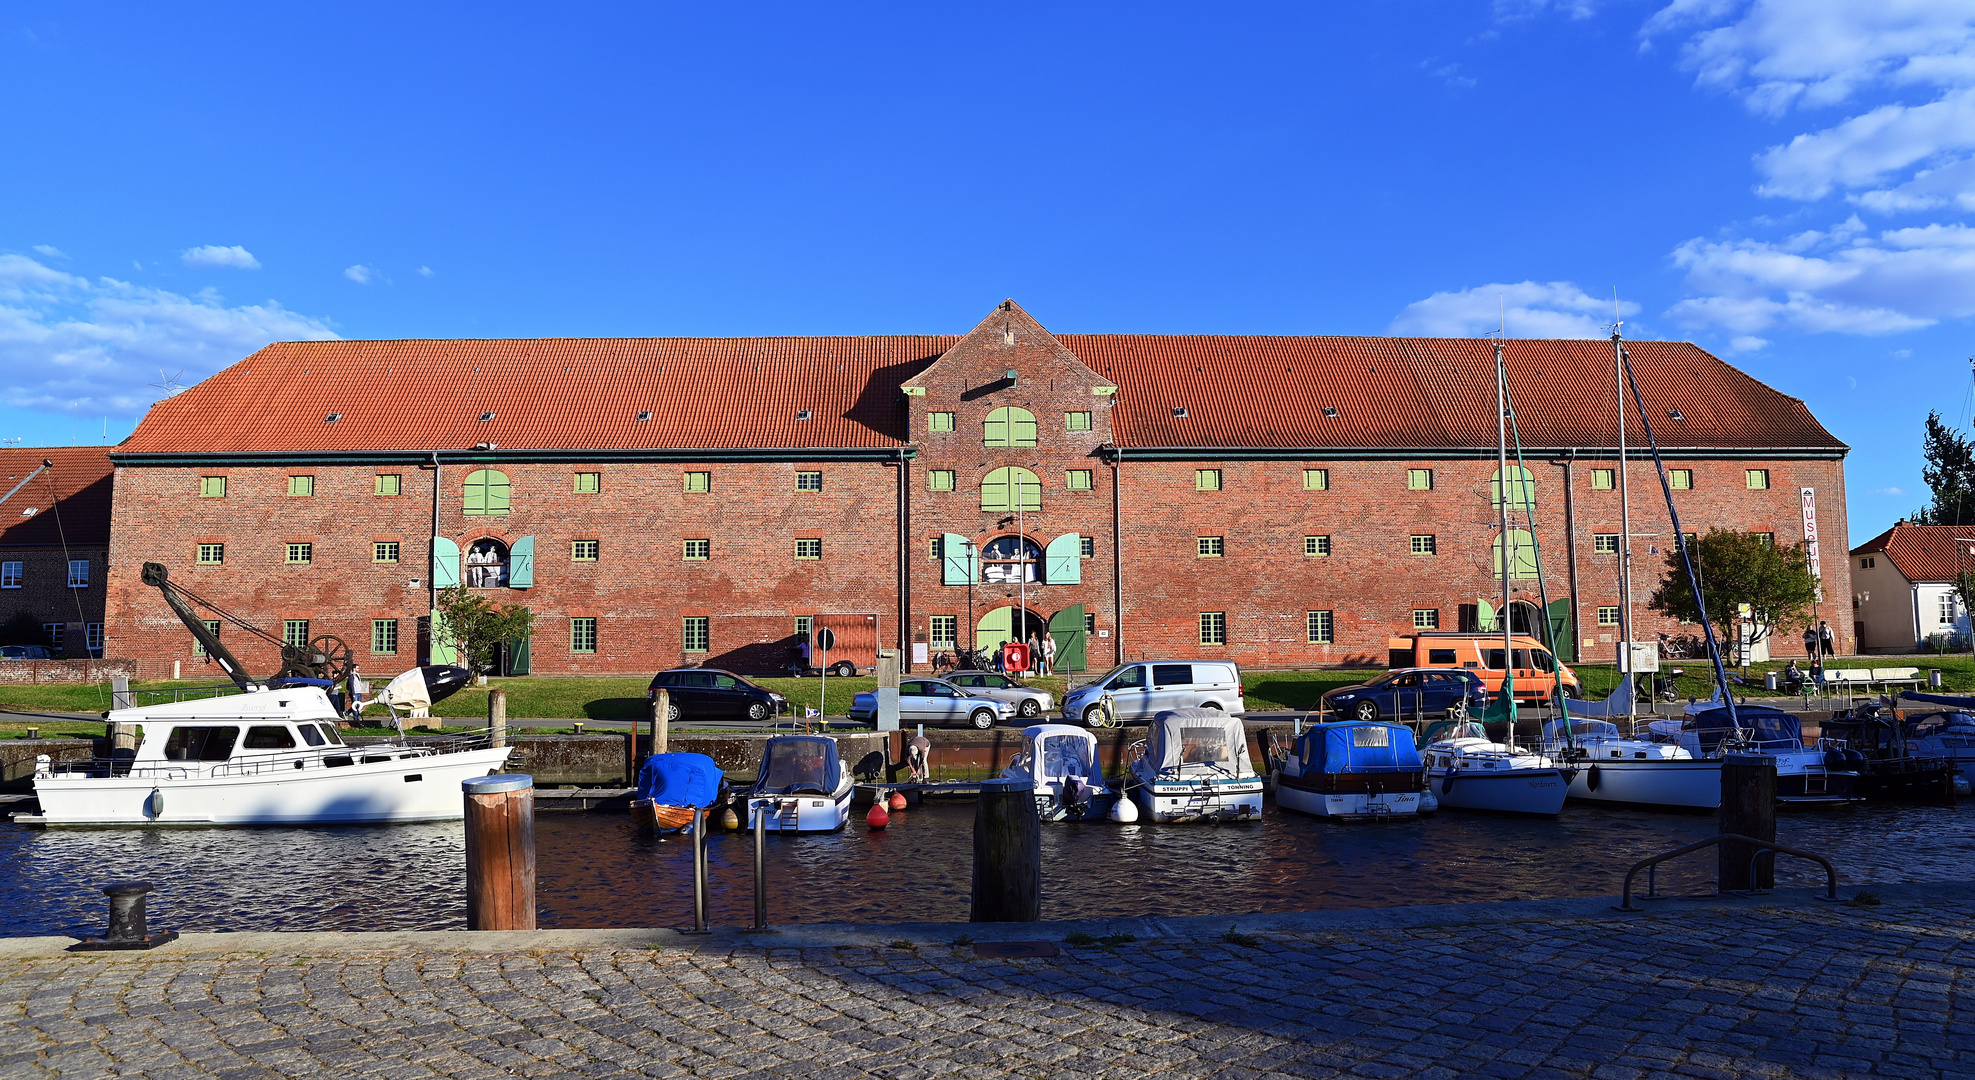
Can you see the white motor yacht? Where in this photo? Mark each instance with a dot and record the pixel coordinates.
(1637, 772)
(801, 786)
(1469, 772)
(1194, 766)
(1061, 761)
(262, 757)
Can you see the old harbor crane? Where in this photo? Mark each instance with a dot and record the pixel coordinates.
(325, 657)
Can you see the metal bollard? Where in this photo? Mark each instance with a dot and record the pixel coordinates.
(760, 871)
(127, 929)
(700, 827)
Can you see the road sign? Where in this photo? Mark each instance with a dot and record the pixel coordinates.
(825, 640)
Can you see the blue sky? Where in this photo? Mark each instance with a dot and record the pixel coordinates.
(1788, 184)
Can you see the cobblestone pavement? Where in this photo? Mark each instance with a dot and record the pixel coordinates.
(1794, 990)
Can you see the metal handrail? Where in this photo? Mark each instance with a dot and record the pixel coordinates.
(1762, 847)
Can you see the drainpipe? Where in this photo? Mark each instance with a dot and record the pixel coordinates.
(904, 567)
(432, 569)
(1570, 549)
(1117, 561)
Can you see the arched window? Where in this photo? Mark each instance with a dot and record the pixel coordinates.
(486, 564)
(486, 492)
(1522, 490)
(1011, 426)
(1010, 489)
(1522, 552)
(1009, 559)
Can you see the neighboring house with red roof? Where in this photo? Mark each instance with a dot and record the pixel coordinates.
(55, 541)
(1278, 501)
(1903, 596)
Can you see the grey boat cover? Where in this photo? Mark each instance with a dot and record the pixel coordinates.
(1199, 742)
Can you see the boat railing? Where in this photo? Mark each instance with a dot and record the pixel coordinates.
(1763, 847)
(104, 768)
(173, 694)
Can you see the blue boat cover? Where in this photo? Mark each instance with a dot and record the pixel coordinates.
(1940, 699)
(1352, 746)
(1769, 729)
(794, 764)
(680, 780)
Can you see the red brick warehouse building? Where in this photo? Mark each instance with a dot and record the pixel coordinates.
(1281, 501)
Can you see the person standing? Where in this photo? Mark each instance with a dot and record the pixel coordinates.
(1828, 639)
(1049, 654)
(1810, 641)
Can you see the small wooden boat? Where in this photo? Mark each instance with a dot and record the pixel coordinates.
(672, 788)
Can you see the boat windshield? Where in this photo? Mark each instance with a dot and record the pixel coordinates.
(801, 763)
(199, 743)
(1065, 756)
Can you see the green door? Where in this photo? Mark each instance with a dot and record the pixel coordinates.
(1067, 627)
(517, 654)
(995, 629)
(1562, 641)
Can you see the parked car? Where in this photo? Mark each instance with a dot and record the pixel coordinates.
(25, 652)
(1407, 692)
(1029, 702)
(712, 694)
(936, 701)
(1144, 690)
(1537, 672)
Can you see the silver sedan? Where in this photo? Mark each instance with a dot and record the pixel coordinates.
(1029, 702)
(936, 701)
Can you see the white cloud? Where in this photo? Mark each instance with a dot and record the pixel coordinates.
(1869, 148)
(1886, 491)
(215, 257)
(425, 271)
(1529, 309)
(89, 348)
(1512, 10)
(51, 251)
(361, 274)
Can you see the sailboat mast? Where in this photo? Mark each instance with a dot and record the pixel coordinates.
(1624, 528)
(1504, 545)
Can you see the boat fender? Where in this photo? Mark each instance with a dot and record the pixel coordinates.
(896, 802)
(1961, 786)
(1124, 811)
(729, 819)
(1447, 785)
(878, 818)
(1428, 803)
(155, 805)
(1592, 778)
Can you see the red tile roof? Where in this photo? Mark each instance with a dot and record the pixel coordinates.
(744, 393)
(80, 480)
(1924, 552)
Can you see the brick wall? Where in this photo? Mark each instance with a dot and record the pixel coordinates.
(44, 592)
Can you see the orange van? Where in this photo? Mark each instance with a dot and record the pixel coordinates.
(1537, 671)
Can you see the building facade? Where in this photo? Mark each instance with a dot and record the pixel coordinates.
(1903, 588)
(1276, 501)
(54, 545)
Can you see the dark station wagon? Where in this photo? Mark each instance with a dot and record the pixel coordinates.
(712, 694)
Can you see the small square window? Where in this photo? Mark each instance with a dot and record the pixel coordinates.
(936, 547)
(1316, 479)
(1867, 563)
(384, 637)
(698, 550)
(1207, 479)
(212, 554)
(1090, 622)
(212, 487)
(384, 551)
(1758, 479)
(1604, 543)
(1316, 545)
(809, 548)
(1077, 479)
(583, 635)
(1425, 544)
(1604, 479)
(940, 421)
(1419, 479)
(698, 633)
(389, 484)
(1076, 421)
(10, 574)
(1765, 539)
(301, 553)
(945, 631)
(212, 627)
(584, 550)
(1608, 616)
(301, 486)
(295, 633)
(1087, 547)
(78, 573)
(939, 480)
(809, 481)
(1680, 479)
(1210, 547)
(802, 623)
(1320, 626)
(1426, 618)
(588, 483)
(1213, 628)
(699, 483)
(92, 635)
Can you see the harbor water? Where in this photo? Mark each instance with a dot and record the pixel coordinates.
(594, 870)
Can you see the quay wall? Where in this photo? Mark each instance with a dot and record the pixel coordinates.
(31, 672)
(17, 758)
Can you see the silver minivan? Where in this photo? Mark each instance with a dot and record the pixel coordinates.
(1142, 690)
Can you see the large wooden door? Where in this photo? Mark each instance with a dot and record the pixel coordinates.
(1072, 650)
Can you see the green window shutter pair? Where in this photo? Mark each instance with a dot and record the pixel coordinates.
(1011, 488)
(1522, 489)
(1522, 553)
(486, 492)
(520, 563)
(1010, 426)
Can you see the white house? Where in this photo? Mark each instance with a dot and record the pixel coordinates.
(1903, 596)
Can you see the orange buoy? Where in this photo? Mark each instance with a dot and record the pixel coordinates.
(897, 801)
(877, 818)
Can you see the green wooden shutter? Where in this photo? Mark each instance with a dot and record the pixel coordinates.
(1484, 616)
(1022, 427)
(444, 650)
(445, 563)
(520, 654)
(1025, 489)
(995, 431)
(994, 492)
(1063, 559)
(957, 560)
(1562, 641)
(521, 563)
(995, 629)
(497, 492)
(1067, 627)
(475, 498)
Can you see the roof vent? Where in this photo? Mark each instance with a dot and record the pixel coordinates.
(1179, 412)
(486, 416)
(804, 414)
(31, 511)
(1330, 412)
(332, 418)
(643, 415)
(1674, 414)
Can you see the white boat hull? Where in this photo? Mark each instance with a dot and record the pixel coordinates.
(1352, 806)
(1508, 791)
(1679, 783)
(1200, 800)
(404, 787)
(801, 813)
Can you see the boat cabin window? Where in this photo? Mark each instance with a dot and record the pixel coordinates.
(1440, 656)
(269, 738)
(1132, 678)
(310, 734)
(1066, 755)
(1370, 736)
(329, 732)
(1172, 674)
(201, 743)
(1203, 745)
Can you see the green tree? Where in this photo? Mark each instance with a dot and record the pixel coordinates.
(1950, 475)
(477, 625)
(1739, 568)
